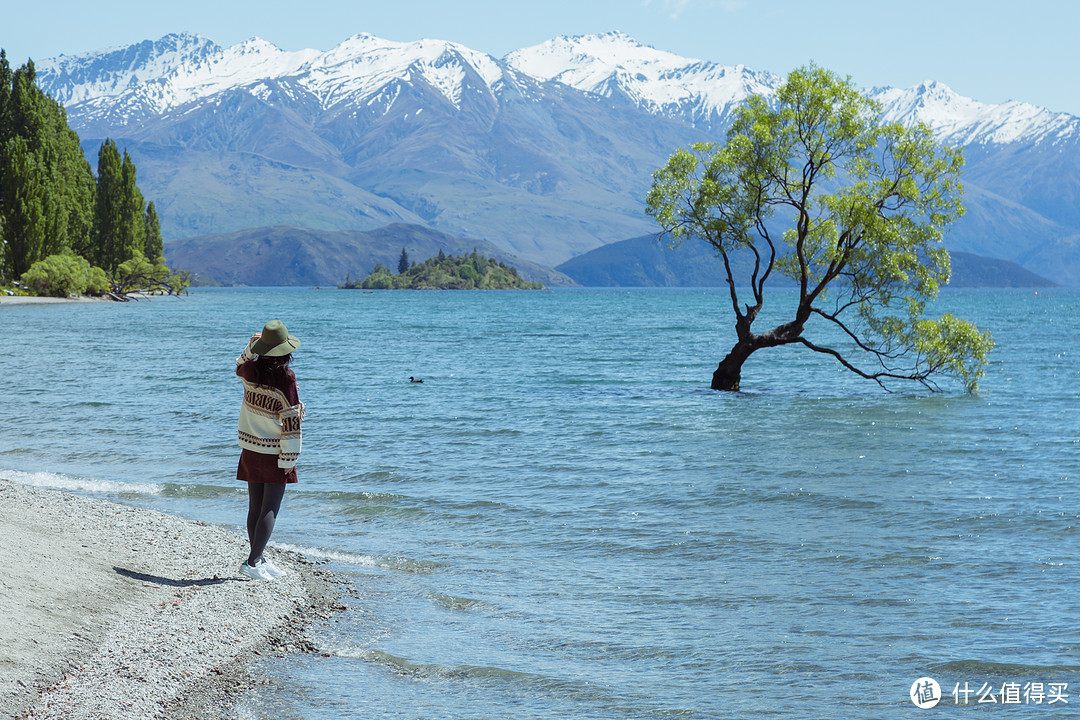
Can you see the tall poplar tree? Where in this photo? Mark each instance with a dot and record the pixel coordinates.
(108, 209)
(22, 197)
(28, 202)
(154, 246)
(5, 97)
(132, 206)
(77, 186)
(5, 94)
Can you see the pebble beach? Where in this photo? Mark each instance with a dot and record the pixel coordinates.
(38, 300)
(113, 611)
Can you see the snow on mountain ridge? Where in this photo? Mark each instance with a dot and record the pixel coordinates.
(586, 61)
(658, 80)
(126, 84)
(242, 64)
(363, 64)
(112, 72)
(960, 120)
(159, 76)
(668, 84)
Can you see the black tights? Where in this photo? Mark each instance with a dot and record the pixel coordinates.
(264, 502)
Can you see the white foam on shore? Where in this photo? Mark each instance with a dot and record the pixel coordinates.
(399, 564)
(71, 483)
(323, 554)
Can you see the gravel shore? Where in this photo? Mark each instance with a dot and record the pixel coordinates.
(118, 612)
(37, 300)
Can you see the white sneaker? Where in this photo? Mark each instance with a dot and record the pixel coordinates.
(258, 572)
(273, 570)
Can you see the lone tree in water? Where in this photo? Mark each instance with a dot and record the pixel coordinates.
(865, 205)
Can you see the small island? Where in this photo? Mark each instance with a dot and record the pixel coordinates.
(444, 272)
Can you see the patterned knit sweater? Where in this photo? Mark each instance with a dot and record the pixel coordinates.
(269, 419)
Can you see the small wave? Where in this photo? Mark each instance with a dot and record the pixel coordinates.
(400, 564)
(343, 496)
(979, 668)
(71, 483)
(372, 475)
(202, 492)
(405, 666)
(409, 565)
(548, 685)
(450, 602)
(335, 555)
(368, 510)
(822, 500)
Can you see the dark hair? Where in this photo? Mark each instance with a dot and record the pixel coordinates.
(273, 371)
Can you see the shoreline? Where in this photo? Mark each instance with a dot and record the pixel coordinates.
(42, 300)
(114, 611)
(46, 300)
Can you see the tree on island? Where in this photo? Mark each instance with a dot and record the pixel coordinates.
(465, 272)
(403, 262)
(866, 204)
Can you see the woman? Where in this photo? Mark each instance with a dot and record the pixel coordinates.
(269, 435)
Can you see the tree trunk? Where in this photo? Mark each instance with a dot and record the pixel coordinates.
(729, 372)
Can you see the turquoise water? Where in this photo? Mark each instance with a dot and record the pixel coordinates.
(563, 521)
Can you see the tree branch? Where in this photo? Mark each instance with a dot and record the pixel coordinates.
(878, 377)
(877, 351)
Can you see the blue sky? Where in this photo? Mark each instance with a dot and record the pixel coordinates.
(990, 50)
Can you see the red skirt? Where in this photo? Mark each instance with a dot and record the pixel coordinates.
(258, 467)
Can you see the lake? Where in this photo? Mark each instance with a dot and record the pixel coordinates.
(563, 521)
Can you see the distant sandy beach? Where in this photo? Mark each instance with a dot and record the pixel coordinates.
(118, 612)
(36, 300)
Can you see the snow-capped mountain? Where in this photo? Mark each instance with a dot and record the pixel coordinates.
(170, 72)
(547, 152)
(128, 85)
(150, 78)
(958, 120)
(125, 85)
(614, 64)
(364, 64)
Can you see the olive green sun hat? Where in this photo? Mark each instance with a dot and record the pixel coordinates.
(275, 340)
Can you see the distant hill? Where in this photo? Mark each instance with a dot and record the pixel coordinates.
(286, 255)
(644, 262)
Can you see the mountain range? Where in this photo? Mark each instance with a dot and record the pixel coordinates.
(546, 153)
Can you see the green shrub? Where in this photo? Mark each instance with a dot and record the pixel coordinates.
(64, 275)
(97, 282)
(140, 275)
